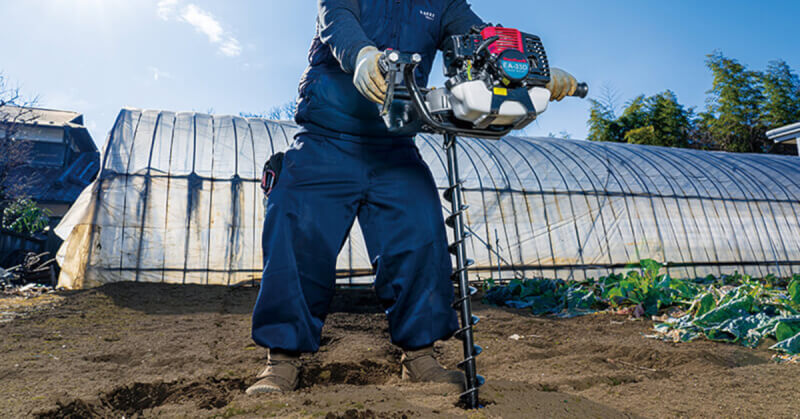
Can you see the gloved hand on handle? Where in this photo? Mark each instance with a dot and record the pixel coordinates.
(562, 84)
(367, 77)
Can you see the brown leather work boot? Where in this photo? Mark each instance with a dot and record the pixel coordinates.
(420, 365)
(282, 374)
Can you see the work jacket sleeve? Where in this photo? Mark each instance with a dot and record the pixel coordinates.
(339, 26)
(459, 19)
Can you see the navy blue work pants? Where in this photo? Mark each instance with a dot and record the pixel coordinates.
(324, 185)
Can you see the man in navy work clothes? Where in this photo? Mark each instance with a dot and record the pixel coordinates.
(344, 165)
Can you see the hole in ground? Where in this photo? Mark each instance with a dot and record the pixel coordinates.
(211, 393)
(462, 404)
(360, 373)
(589, 381)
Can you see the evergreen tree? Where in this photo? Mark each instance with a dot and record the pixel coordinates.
(671, 122)
(734, 107)
(782, 92)
(602, 117)
(655, 120)
(636, 115)
(742, 105)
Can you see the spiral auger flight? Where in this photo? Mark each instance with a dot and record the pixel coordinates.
(462, 302)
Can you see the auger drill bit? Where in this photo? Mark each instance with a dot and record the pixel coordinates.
(462, 302)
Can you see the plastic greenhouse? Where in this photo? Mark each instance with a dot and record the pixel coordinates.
(178, 201)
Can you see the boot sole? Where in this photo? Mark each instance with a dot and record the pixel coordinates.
(262, 389)
(267, 389)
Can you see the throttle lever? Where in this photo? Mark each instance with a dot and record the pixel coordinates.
(389, 73)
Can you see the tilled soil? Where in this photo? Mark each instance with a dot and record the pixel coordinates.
(152, 350)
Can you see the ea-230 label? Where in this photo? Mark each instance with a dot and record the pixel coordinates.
(514, 68)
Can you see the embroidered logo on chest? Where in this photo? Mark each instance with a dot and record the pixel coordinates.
(427, 15)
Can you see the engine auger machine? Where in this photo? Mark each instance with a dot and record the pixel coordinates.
(496, 84)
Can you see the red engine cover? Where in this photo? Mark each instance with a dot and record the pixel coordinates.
(509, 39)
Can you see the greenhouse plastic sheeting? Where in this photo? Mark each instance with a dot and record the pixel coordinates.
(178, 201)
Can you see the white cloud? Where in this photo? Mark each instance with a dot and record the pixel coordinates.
(165, 9)
(230, 47)
(202, 21)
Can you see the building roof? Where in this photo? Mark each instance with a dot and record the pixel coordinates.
(787, 134)
(69, 120)
(56, 184)
(49, 117)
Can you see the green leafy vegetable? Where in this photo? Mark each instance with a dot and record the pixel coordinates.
(794, 293)
(732, 308)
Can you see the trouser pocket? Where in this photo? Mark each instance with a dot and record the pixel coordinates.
(271, 172)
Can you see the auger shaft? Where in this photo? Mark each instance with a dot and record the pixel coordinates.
(459, 249)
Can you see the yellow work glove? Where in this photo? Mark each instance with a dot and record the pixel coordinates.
(368, 78)
(562, 84)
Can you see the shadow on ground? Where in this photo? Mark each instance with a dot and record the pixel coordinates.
(155, 298)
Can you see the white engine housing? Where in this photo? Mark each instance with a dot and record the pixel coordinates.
(472, 101)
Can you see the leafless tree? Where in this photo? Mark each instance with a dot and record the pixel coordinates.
(285, 111)
(15, 112)
(608, 99)
(563, 135)
(276, 113)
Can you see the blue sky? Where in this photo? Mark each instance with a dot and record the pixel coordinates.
(96, 56)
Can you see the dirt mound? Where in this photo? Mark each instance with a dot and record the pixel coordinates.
(136, 398)
(152, 350)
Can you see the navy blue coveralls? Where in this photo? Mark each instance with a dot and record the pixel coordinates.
(343, 164)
